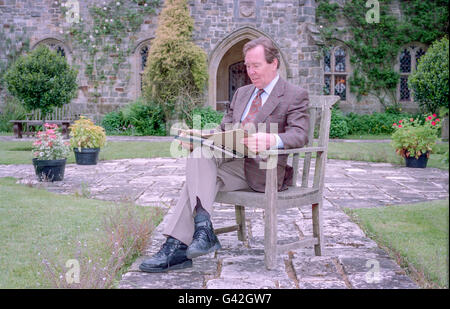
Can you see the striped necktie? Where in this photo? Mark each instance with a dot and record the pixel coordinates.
(254, 108)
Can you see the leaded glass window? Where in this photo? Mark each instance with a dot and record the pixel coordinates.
(339, 56)
(335, 69)
(327, 61)
(405, 61)
(144, 56)
(408, 60)
(419, 54)
(142, 62)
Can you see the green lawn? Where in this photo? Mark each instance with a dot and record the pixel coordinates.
(20, 152)
(417, 234)
(36, 224)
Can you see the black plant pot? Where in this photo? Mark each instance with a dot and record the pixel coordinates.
(49, 170)
(421, 162)
(87, 156)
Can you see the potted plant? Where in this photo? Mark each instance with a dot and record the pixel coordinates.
(49, 153)
(413, 139)
(86, 138)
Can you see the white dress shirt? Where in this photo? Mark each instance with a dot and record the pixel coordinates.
(267, 90)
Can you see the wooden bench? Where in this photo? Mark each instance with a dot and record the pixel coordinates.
(273, 201)
(62, 116)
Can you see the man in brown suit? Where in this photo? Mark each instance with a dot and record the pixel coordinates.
(268, 100)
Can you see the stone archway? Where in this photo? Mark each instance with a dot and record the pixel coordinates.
(226, 54)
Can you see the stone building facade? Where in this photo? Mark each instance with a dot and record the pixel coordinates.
(222, 27)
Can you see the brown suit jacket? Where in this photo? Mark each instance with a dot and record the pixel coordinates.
(287, 106)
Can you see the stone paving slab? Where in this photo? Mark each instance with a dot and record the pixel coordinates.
(349, 258)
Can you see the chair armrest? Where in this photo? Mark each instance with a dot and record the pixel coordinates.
(293, 150)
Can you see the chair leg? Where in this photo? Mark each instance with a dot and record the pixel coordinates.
(317, 227)
(240, 220)
(270, 236)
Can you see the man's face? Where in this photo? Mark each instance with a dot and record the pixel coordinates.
(260, 72)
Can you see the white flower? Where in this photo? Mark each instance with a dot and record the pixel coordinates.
(117, 3)
(96, 30)
(91, 37)
(93, 46)
(106, 20)
(111, 20)
(105, 8)
(145, 4)
(60, 31)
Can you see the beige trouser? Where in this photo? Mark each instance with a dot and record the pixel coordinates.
(205, 176)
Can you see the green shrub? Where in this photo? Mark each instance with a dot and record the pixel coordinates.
(137, 118)
(12, 110)
(209, 117)
(146, 118)
(376, 123)
(338, 126)
(113, 122)
(430, 81)
(42, 80)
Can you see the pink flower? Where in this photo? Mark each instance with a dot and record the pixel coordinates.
(400, 121)
(411, 119)
(38, 142)
(399, 125)
(394, 124)
(50, 144)
(434, 115)
(437, 119)
(433, 123)
(52, 136)
(429, 117)
(50, 131)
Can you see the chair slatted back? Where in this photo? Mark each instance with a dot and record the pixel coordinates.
(319, 108)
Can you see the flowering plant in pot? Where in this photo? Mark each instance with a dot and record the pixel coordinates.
(49, 153)
(86, 138)
(413, 139)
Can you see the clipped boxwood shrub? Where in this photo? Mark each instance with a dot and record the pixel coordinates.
(42, 80)
(376, 123)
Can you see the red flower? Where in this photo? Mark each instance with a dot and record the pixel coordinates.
(434, 115)
(399, 125)
(437, 119)
(400, 121)
(433, 123)
(394, 124)
(429, 117)
(411, 119)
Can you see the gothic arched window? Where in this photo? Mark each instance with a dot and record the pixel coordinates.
(407, 62)
(336, 71)
(58, 46)
(140, 62)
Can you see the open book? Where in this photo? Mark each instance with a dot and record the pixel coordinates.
(227, 142)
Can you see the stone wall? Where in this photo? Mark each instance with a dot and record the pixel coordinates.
(219, 25)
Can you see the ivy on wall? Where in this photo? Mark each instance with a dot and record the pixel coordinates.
(103, 39)
(374, 46)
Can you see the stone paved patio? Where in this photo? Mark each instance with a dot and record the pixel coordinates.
(349, 259)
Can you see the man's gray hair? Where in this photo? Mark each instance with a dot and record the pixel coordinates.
(270, 51)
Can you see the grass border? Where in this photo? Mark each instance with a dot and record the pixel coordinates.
(417, 275)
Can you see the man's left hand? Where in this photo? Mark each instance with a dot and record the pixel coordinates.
(259, 141)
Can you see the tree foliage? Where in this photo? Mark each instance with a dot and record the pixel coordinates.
(374, 46)
(430, 81)
(42, 80)
(176, 66)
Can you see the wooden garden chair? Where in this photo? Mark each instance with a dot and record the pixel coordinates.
(295, 196)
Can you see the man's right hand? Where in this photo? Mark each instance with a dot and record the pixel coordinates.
(186, 145)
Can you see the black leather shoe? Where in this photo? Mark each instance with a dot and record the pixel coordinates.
(172, 255)
(204, 240)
